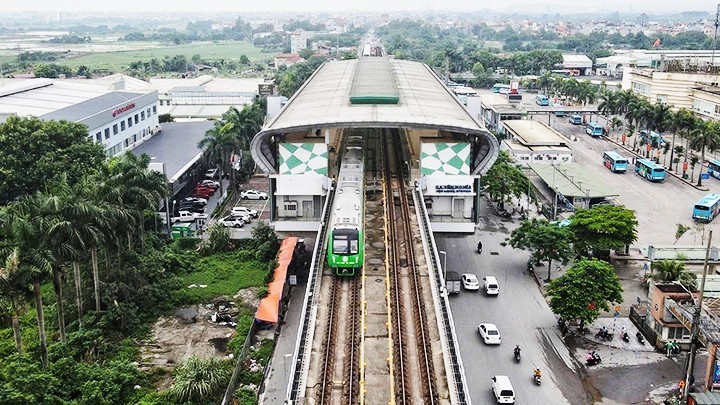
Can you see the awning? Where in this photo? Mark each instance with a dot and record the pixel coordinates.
(270, 305)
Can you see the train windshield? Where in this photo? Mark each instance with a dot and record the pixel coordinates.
(345, 242)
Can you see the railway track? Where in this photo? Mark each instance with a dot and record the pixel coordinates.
(413, 362)
(339, 379)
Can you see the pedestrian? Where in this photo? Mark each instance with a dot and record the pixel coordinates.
(522, 210)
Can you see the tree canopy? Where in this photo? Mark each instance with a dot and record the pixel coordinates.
(586, 289)
(505, 179)
(34, 152)
(545, 241)
(603, 227)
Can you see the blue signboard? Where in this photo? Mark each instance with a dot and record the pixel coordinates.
(716, 373)
(705, 176)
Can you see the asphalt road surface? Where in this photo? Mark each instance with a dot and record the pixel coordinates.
(520, 313)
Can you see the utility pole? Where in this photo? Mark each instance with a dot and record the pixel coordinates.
(696, 326)
(717, 24)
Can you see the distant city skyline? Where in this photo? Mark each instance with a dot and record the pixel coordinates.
(507, 6)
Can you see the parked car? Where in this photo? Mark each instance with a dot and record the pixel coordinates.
(253, 195)
(194, 200)
(210, 183)
(470, 282)
(205, 187)
(232, 222)
(489, 333)
(187, 216)
(191, 208)
(244, 217)
(213, 173)
(245, 210)
(201, 194)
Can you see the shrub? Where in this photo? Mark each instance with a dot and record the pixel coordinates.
(200, 380)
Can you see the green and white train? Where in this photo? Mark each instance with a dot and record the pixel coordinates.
(346, 237)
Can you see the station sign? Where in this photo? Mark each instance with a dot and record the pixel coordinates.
(443, 185)
(123, 109)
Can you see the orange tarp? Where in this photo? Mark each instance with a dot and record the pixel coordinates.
(270, 305)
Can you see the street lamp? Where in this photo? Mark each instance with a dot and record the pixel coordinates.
(444, 268)
(555, 189)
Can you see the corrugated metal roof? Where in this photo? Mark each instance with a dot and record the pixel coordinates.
(535, 133)
(374, 82)
(572, 180)
(324, 101)
(38, 101)
(80, 111)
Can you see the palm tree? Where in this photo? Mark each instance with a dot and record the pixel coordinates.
(544, 81)
(218, 143)
(615, 123)
(24, 227)
(705, 136)
(13, 292)
(681, 123)
(608, 103)
(637, 113)
(659, 118)
(670, 271)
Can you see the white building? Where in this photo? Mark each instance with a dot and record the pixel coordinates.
(581, 63)
(535, 142)
(200, 97)
(676, 88)
(119, 120)
(298, 41)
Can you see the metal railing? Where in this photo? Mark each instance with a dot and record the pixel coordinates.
(645, 329)
(709, 327)
(301, 355)
(451, 351)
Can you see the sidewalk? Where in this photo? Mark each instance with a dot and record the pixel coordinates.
(281, 361)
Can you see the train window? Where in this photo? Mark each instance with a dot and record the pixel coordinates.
(340, 246)
(354, 246)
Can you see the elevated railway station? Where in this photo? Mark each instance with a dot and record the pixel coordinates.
(444, 148)
(375, 155)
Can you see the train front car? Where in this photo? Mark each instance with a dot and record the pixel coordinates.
(345, 242)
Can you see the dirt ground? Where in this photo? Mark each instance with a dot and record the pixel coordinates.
(190, 332)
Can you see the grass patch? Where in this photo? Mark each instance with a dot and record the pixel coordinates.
(224, 274)
(118, 60)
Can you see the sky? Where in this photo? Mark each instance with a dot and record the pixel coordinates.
(540, 6)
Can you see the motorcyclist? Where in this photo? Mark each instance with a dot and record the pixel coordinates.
(516, 351)
(537, 373)
(479, 247)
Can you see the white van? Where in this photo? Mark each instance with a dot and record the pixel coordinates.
(503, 390)
(491, 285)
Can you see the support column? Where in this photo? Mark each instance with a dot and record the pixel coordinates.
(710, 368)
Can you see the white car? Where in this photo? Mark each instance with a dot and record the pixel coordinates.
(491, 285)
(244, 211)
(194, 200)
(232, 222)
(490, 333)
(244, 217)
(212, 173)
(211, 183)
(470, 282)
(503, 390)
(253, 195)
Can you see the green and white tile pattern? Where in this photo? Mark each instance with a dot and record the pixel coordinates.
(302, 158)
(448, 158)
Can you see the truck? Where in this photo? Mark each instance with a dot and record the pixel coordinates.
(187, 216)
(452, 282)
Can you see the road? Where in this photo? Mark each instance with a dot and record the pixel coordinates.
(659, 206)
(522, 316)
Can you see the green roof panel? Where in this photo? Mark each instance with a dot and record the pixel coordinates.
(374, 82)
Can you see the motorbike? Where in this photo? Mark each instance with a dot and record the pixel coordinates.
(530, 268)
(536, 378)
(517, 356)
(479, 247)
(625, 337)
(604, 335)
(640, 338)
(562, 324)
(593, 359)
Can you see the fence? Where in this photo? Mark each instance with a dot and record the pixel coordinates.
(645, 329)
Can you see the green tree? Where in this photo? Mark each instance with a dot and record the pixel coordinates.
(505, 179)
(545, 241)
(603, 227)
(199, 380)
(670, 271)
(34, 153)
(218, 143)
(682, 122)
(13, 293)
(586, 288)
(705, 136)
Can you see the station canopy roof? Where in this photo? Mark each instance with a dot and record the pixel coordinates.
(573, 180)
(326, 99)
